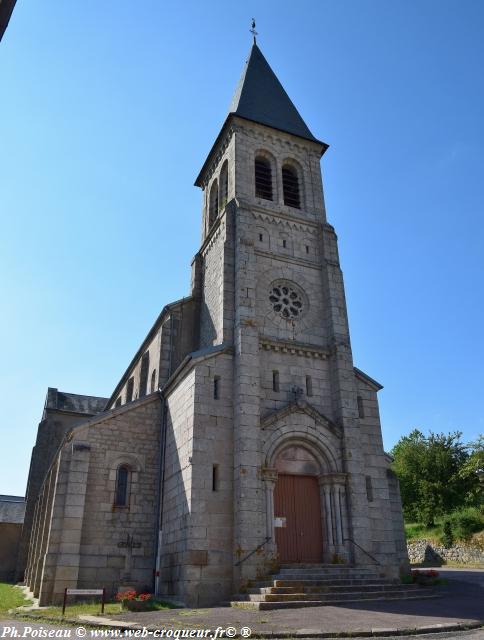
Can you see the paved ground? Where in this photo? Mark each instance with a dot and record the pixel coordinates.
(29, 629)
(462, 601)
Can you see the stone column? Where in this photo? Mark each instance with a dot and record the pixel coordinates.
(327, 516)
(270, 479)
(335, 518)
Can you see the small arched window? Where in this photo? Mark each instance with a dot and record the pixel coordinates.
(153, 381)
(213, 203)
(290, 187)
(263, 178)
(224, 185)
(122, 483)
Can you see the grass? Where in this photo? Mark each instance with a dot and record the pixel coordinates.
(10, 598)
(91, 609)
(415, 531)
(464, 524)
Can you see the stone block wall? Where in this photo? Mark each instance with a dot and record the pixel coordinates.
(381, 497)
(197, 548)
(252, 139)
(177, 484)
(80, 537)
(428, 553)
(9, 544)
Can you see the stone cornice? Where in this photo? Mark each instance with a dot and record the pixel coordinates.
(292, 222)
(300, 406)
(299, 261)
(294, 348)
(215, 155)
(364, 377)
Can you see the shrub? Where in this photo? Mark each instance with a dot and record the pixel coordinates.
(465, 522)
(447, 535)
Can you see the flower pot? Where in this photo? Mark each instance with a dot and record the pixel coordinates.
(138, 605)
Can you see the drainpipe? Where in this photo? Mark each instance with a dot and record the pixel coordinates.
(161, 471)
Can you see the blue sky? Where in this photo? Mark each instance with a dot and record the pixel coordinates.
(107, 112)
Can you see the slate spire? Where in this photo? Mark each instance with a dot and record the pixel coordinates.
(260, 97)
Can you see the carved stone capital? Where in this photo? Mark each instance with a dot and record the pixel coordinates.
(269, 475)
(333, 479)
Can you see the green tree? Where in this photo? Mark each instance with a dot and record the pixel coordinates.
(469, 472)
(428, 469)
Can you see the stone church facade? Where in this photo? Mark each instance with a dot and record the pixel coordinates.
(241, 434)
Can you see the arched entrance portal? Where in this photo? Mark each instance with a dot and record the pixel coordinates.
(297, 506)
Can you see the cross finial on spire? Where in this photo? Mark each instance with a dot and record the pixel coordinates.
(253, 31)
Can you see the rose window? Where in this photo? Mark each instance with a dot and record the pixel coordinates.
(286, 301)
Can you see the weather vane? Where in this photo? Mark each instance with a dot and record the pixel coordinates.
(253, 31)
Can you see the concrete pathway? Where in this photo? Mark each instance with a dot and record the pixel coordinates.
(461, 604)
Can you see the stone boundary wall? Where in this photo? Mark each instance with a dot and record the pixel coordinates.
(426, 552)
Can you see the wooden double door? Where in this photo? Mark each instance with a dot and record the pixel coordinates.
(296, 498)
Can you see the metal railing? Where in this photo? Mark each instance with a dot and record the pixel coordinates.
(239, 562)
(361, 549)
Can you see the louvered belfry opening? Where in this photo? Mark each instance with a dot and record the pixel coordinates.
(263, 179)
(290, 186)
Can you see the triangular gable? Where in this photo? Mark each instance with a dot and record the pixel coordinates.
(299, 406)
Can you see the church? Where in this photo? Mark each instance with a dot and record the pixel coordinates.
(241, 439)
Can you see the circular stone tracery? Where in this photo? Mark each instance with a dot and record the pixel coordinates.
(286, 300)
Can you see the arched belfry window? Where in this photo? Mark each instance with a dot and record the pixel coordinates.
(263, 178)
(224, 184)
(290, 187)
(122, 485)
(213, 203)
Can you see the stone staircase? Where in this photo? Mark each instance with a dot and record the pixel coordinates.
(312, 585)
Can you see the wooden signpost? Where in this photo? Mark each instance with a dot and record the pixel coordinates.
(84, 592)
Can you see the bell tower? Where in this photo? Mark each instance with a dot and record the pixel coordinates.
(309, 479)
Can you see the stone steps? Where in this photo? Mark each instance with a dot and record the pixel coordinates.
(318, 576)
(326, 581)
(343, 588)
(328, 597)
(319, 585)
(293, 604)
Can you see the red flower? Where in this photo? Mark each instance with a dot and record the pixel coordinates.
(125, 595)
(144, 596)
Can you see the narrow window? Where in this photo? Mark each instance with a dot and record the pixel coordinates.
(213, 203)
(216, 388)
(143, 376)
(284, 243)
(122, 477)
(224, 185)
(275, 381)
(309, 386)
(290, 187)
(129, 390)
(215, 478)
(118, 402)
(307, 249)
(261, 237)
(369, 489)
(153, 381)
(361, 410)
(263, 179)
